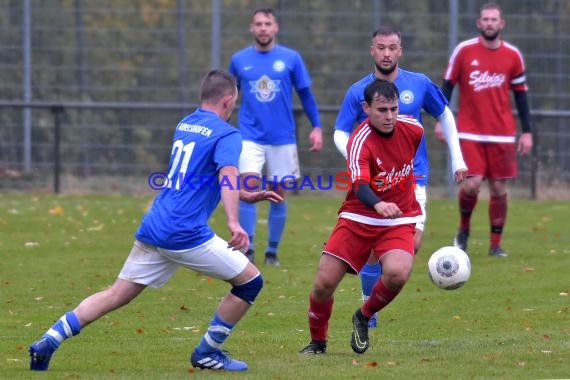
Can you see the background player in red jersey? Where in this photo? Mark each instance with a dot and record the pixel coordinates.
(486, 68)
(379, 213)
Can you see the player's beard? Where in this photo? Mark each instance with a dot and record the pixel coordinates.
(386, 71)
(490, 37)
(264, 44)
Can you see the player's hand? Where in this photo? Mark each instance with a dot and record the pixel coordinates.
(460, 175)
(388, 210)
(316, 139)
(256, 196)
(240, 239)
(439, 132)
(525, 144)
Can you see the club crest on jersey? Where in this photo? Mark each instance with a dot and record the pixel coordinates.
(278, 66)
(406, 97)
(264, 88)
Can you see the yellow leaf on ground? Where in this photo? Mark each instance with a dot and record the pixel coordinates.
(57, 210)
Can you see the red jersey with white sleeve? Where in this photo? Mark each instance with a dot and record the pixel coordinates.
(485, 78)
(386, 162)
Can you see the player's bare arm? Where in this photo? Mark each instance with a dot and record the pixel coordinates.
(230, 199)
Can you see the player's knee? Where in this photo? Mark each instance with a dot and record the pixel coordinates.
(249, 291)
(324, 288)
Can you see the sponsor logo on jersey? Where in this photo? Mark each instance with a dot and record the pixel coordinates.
(474, 62)
(265, 88)
(406, 97)
(484, 80)
(387, 180)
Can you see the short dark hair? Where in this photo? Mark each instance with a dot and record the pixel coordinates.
(265, 11)
(387, 30)
(381, 88)
(215, 85)
(491, 5)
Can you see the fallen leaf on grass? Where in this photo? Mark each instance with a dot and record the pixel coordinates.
(355, 362)
(391, 363)
(371, 365)
(456, 317)
(96, 228)
(546, 337)
(57, 210)
(139, 331)
(528, 269)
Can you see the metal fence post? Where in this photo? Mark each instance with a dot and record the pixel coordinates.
(57, 112)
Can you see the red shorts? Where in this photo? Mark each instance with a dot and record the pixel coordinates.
(490, 160)
(352, 241)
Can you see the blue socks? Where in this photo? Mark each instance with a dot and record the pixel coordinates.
(276, 225)
(369, 275)
(275, 220)
(66, 327)
(248, 219)
(217, 333)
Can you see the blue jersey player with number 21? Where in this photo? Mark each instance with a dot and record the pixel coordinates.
(175, 232)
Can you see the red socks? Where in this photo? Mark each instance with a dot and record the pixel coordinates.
(466, 205)
(319, 315)
(497, 218)
(381, 296)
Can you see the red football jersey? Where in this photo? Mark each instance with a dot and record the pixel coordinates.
(485, 78)
(387, 163)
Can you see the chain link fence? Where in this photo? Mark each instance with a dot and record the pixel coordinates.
(116, 76)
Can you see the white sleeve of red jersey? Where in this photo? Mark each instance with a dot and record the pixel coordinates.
(341, 141)
(447, 122)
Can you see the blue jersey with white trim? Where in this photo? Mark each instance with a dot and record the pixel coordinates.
(417, 92)
(178, 218)
(266, 80)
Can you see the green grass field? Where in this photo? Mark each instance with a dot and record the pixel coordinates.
(510, 321)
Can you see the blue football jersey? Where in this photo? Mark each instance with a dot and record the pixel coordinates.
(417, 91)
(266, 81)
(178, 218)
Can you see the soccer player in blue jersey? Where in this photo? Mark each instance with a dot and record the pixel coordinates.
(417, 92)
(267, 74)
(175, 232)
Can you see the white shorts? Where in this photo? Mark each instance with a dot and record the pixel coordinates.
(153, 266)
(281, 161)
(421, 197)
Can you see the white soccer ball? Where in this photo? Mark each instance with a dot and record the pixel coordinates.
(449, 268)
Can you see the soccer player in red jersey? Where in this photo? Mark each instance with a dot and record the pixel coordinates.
(486, 69)
(379, 213)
